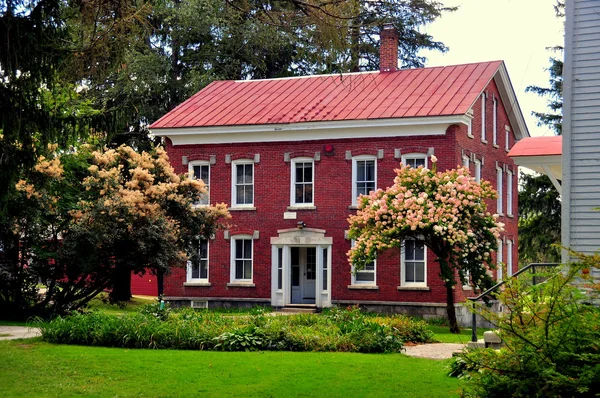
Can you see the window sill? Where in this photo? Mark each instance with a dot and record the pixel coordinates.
(197, 284)
(353, 207)
(241, 284)
(416, 288)
(241, 208)
(200, 205)
(495, 145)
(298, 207)
(500, 214)
(363, 287)
(467, 287)
(484, 141)
(510, 215)
(471, 136)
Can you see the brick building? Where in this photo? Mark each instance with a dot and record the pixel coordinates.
(291, 155)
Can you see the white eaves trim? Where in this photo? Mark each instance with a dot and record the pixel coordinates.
(400, 127)
(509, 99)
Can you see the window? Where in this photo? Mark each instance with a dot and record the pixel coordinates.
(279, 268)
(494, 121)
(509, 257)
(415, 160)
(499, 261)
(499, 190)
(465, 161)
(242, 183)
(302, 182)
(470, 129)
(477, 173)
(365, 276)
(200, 170)
(364, 176)
(414, 263)
(325, 267)
(509, 193)
(483, 137)
(241, 258)
(197, 267)
(507, 139)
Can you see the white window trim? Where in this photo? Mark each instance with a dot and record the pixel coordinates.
(233, 239)
(483, 137)
(507, 139)
(477, 171)
(509, 258)
(191, 175)
(234, 165)
(470, 128)
(494, 121)
(293, 182)
(403, 281)
(189, 267)
(374, 272)
(415, 156)
(499, 190)
(509, 193)
(355, 174)
(499, 261)
(466, 162)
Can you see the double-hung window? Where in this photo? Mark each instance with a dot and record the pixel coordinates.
(302, 182)
(200, 170)
(365, 276)
(477, 172)
(499, 185)
(509, 193)
(483, 137)
(495, 121)
(499, 260)
(507, 139)
(364, 176)
(242, 183)
(197, 270)
(241, 258)
(509, 257)
(414, 263)
(415, 160)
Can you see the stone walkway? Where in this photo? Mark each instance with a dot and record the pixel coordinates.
(18, 332)
(433, 351)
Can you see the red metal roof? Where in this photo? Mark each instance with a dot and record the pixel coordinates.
(436, 91)
(537, 146)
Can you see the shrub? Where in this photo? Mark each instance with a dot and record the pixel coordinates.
(552, 340)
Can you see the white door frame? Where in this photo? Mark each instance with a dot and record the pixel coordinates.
(281, 264)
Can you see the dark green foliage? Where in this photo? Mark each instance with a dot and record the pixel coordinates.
(340, 330)
(539, 220)
(551, 335)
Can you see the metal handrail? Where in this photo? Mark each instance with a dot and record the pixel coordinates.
(496, 286)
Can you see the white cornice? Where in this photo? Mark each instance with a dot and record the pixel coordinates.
(509, 99)
(312, 130)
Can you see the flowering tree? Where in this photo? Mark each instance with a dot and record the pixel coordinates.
(91, 217)
(446, 210)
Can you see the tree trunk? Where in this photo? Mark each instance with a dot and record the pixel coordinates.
(450, 310)
(121, 285)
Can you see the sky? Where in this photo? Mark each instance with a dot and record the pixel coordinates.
(516, 31)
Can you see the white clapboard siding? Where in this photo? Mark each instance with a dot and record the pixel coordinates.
(581, 128)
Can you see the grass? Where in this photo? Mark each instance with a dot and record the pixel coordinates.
(133, 305)
(34, 368)
(443, 335)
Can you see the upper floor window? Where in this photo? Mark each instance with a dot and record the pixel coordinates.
(197, 268)
(414, 263)
(242, 183)
(483, 137)
(364, 176)
(499, 185)
(241, 258)
(200, 170)
(509, 193)
(509, 255)
(507, 139)
(302, 182)
(495, 121)
(415, 160)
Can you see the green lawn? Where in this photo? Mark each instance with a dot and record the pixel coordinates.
(443, 335)
(34, 368)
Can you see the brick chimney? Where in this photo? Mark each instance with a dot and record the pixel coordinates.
(388, 49)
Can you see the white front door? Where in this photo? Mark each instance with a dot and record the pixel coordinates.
(304, 272)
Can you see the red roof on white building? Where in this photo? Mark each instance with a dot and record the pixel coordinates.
(436, 91)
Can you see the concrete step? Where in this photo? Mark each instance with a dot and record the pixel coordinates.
(299, 309)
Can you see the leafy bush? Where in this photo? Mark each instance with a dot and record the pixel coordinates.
(552, 340)
(154, 327)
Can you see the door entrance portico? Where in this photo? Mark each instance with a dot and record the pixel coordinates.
(301, 267)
